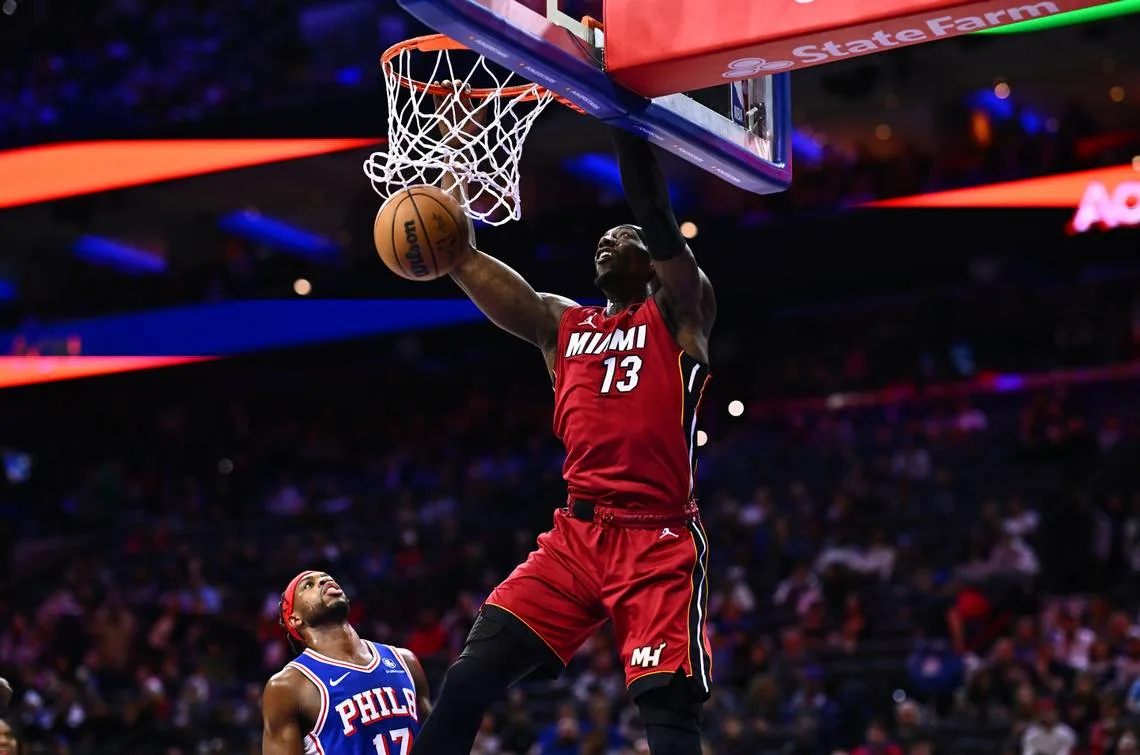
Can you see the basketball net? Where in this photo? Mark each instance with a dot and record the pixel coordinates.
(477, 137)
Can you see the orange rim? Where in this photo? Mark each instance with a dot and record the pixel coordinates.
(441, 42)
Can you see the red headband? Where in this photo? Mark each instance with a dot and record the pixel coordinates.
(287, 603)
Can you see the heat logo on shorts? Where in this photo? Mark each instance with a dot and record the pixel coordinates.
(647, 657)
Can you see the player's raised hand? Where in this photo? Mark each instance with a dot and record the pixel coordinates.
(461, 118)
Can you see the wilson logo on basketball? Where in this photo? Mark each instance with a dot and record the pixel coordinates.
(414, 256)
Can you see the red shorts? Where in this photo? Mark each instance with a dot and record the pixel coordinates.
(652, 583)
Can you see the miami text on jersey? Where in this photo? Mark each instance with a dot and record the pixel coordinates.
(597, 342)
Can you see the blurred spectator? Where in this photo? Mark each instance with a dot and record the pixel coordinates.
(1013, 557)
(9, 744)
(911, 727)
(877, 742)
(1071, 642)
(1048, 736)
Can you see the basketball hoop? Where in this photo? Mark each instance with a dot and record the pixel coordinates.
(479, 143)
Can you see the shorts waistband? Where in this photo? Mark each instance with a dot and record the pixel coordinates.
(588, 511)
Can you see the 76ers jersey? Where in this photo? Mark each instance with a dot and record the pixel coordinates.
(626, 399)
(365, 710)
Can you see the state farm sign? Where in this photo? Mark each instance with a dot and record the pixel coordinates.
(685, 45)
(839, 44)
(1105, 207)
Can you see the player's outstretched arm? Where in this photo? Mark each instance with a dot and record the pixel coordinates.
(423, 693)
(502, 294)
(497, 290)
(685, 285)
(280, 712)
(509, 301)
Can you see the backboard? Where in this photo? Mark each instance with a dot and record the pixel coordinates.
(745, 140)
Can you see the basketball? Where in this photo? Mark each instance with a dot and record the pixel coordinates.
(421, 233)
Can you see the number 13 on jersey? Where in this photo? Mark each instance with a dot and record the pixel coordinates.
(625, 372)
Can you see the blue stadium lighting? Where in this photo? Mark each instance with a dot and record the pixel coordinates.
(118, 256)
(805, 147)
(1032, 123)
(209, 329)
(279, 234)
(7, 291)
(987, 100)
(1008, 383)
(350, 77)
(602, 171)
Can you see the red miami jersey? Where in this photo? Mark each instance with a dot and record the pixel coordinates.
(625, 406)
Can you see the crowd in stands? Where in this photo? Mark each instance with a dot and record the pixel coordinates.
(127, 65)
(905, 578)
(933, 336)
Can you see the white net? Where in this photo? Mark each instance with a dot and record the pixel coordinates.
(477, 139)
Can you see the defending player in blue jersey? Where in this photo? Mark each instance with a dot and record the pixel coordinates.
(342, 695)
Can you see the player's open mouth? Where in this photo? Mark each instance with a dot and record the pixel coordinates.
(604, 257)
(333, 590)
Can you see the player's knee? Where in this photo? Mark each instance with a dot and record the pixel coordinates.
(467, 679)
(671, 706)
(491, 661)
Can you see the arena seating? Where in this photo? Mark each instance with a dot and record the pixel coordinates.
(862, 583)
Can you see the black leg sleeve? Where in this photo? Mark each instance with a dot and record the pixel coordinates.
(492, 660)
(672, 718)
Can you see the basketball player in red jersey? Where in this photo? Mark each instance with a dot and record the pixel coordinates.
(628, 547)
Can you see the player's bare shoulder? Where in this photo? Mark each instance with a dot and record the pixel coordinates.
(284, 689)
(555, 306)
(281, 713)
(290, 693)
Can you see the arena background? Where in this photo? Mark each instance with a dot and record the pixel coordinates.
(919, 467)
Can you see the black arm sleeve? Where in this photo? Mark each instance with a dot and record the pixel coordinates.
(648, 195)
